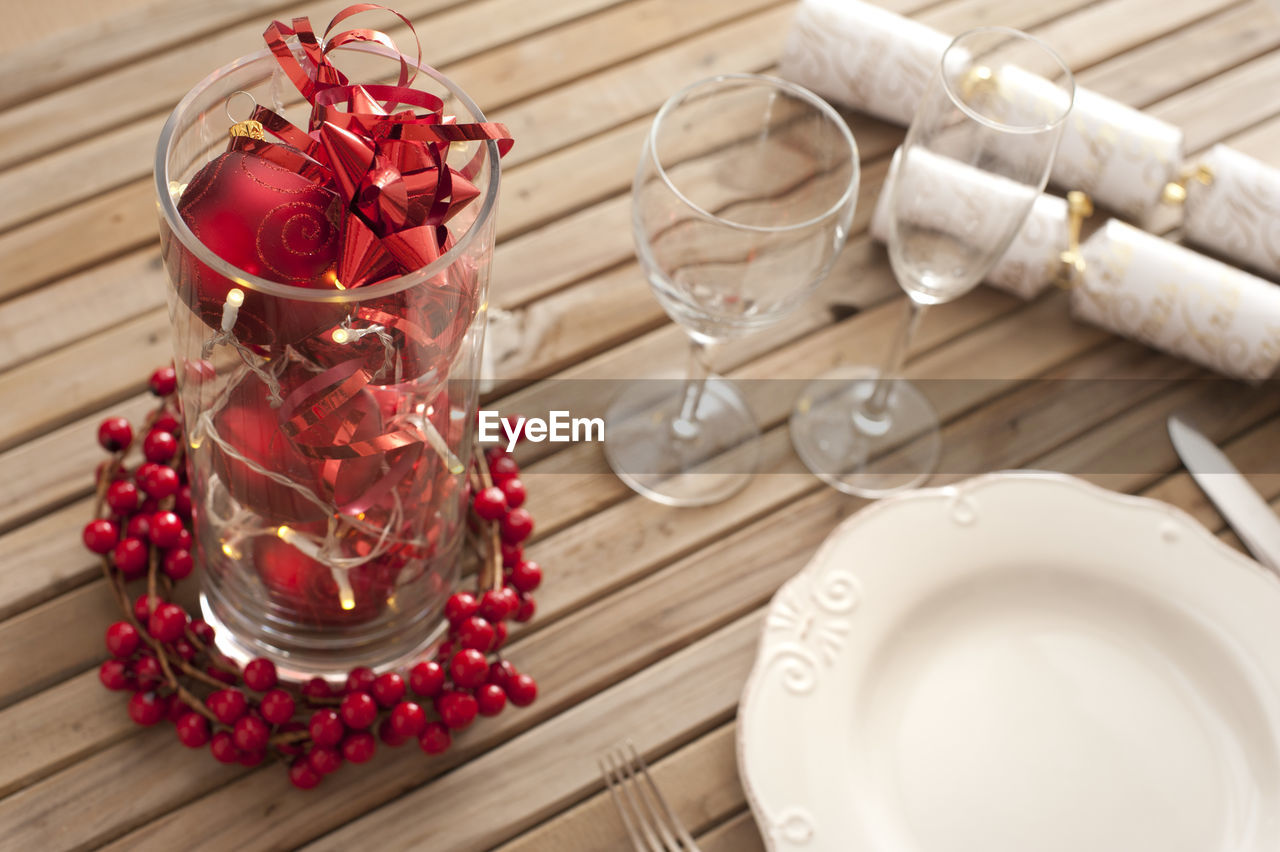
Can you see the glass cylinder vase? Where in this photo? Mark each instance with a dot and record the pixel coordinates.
(328, 429)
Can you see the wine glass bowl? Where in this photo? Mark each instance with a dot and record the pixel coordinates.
(742, 199)
(976, 157)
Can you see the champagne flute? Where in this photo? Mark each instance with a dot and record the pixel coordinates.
(742, 199)
(983, 142)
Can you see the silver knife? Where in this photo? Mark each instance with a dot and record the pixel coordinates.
(1242, 506)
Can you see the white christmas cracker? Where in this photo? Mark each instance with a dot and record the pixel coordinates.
(861, 55)
(1233, 208)
(1181, 302)
(954, 198)
(879, 62)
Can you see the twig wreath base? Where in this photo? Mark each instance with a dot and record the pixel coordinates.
(143, 534)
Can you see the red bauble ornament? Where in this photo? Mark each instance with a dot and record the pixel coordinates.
(249, 423)
(266, 221)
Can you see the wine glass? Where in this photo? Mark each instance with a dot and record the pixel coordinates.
(977, 155)
(742, 199)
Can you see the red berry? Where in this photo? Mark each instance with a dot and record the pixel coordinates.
(317, 687)
(202, 630)
(513, 489)
(499, 635)
(193, 730)
(130, 556)
(259, 674)
(326, 728)
(358, 710)
(526, 610)
(251, 734)
(500, 672)
(359, 747)
(184, 649)
(115, 434)
(167, 422)
(468, 668)
(150, 505)
(159, 446)
(184, 541)
(145, 708)
(139, 526)
(503, 468)
(324, 759)
(100, 535)
(435, 738)
(512, 555)
(122, 497)
(457, 709)
(475, 632)
(516, 526)
(407, 719)
(147, 671)
(490, 699)
(252, 758)
(526, 576)
(168, 622)
(444, 651)
(388, 689)
(114, 674)
(178, 563)
(122, 639)
(522, 690)
(143, 604)
(427, 679)
(388, 735)
(227, 705)
(459, 606)
(277, 707)
(165, 529)
(224, 748)
(157, 480)
(490, 503)
(360, 679)
(163, 381)
(182, 502)
(499, 604)
(302, 776)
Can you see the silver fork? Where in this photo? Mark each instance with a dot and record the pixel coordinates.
(649, 820)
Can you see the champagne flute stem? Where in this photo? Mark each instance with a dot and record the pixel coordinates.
(876, 408)
(686, 425)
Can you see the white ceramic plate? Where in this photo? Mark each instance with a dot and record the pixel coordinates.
(1025, 663)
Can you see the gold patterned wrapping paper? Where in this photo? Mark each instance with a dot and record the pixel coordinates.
(950, 199)
(1169, 297)
(1237, 212)
(879, 62)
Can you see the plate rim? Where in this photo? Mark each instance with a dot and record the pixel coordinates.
(752, 688)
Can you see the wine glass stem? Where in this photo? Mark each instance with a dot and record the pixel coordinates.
(686, 425)
(876, 408)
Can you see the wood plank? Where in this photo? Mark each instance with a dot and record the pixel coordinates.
(494, 78)
(95, 44)
(739, 834)
(149, 88)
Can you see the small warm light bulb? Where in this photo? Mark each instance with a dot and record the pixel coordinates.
(230, 550)
(284, 532)
(235, 297)
(346, 599)
(341, 335)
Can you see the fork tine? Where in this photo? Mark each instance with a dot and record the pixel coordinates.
(671, 819)
(649, 817)
(626, 785)
(609, 781)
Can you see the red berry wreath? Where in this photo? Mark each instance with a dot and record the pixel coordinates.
(168, 662)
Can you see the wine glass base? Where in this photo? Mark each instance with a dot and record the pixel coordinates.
(857, 455)
(649, 450)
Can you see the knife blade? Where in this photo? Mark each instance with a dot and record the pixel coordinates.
(1242, 506)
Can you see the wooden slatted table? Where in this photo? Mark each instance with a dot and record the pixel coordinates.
(648, 621)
